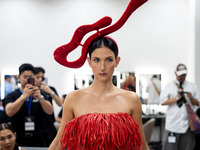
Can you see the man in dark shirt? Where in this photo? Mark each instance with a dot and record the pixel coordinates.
(50, 94)
(25, 106)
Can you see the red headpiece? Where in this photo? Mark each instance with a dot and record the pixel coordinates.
(60, 54)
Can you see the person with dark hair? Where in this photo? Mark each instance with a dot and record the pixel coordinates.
(129, 83)
(3, 116)
(7, 85)
(49, 91)
(49, 131)
(25, 106)
(101, 116)
(59, 117)
(8, 138)
(178, 134)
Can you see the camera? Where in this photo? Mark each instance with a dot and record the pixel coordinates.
(182, 100)
(182, 93)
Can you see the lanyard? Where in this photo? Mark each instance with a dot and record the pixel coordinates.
(28, 103)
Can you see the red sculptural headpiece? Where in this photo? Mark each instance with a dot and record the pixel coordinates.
(60, 54)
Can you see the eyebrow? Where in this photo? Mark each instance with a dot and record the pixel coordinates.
(105, 58)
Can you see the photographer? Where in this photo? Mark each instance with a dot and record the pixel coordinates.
(25, 106)
(50, 94)
(178, 135)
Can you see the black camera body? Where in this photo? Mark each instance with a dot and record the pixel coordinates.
(182, 93)
(182, 100)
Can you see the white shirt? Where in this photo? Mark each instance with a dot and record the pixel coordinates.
(177, 117)
(153, 95)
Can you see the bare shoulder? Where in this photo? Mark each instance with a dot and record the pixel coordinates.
(72, 97)
(75, 96)
(132, 99)
(130, 96)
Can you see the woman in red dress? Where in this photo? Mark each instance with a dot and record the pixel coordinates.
(101, 116)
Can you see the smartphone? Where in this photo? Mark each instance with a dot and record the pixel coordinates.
(31, 81)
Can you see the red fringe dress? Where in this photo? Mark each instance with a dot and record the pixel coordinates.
(97, 131)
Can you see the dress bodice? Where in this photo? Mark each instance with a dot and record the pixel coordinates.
(102, 131)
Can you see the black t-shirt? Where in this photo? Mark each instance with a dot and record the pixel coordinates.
(18, 120)
(60, 113)
(50, 99)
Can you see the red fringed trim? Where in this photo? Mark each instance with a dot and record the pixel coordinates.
(97, 131)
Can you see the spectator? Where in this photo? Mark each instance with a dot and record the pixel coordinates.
(178, 135)
(7, 89)
(50, 94)
(153, 88)
(59, 117)
(8, 138)
(7, 86)
(129, 83)
(3, 116)
(25, 106)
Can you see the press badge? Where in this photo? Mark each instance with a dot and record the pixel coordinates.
(171, 138)
(29, 123)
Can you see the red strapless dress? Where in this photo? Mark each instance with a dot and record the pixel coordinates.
(97, 131)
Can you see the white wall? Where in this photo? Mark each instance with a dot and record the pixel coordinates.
(157, 37)
(197, 43)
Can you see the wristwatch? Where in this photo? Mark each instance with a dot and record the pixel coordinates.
(42, 98)
(53, 93)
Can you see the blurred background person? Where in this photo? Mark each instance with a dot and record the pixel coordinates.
(140, 91)
(178, 134)
(83, 84)
(129, 83)
(59, 117)
(49, 131)
(25, 106)
(7, 85)
(7, 89)
(3, 116)
(8, 138)
(14, 82)
(153, 88)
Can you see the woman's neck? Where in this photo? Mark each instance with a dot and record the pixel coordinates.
(102, 87)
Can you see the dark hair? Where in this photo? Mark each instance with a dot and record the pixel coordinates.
(26, 67)
(64, 96)
(4, 126)
(7, 76)
(103, 41)
(38, 70)
(155, 76)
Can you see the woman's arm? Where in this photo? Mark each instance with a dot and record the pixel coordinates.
(67, 115)
(137, 115)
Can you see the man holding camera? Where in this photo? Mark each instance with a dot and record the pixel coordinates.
(178, 135)
(25, 106)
